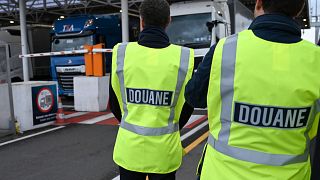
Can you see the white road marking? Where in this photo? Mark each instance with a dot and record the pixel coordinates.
(75, 115)
(201, 109)
(97, 119)
(30, 136)
(116, 178)
(194, 130)
(68, 106)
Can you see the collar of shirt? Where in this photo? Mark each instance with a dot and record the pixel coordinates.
(153, 37)
(276, 28)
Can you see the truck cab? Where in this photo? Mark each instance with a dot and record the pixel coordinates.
(72, 34)
(38, 39)
(200, 24)
(12, 42)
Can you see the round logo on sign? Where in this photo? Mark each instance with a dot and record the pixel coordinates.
(45, 100)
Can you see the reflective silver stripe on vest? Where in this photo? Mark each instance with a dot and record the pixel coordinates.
(120, 64)
(147, 131)
(227, 94)
(256, 156)
(316, 110)
(226, 85)
(183, 70)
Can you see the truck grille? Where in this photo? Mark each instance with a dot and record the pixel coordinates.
(66, 80)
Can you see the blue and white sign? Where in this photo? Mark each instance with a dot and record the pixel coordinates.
(44, 104)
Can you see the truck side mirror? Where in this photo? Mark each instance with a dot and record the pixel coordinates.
(210, 25)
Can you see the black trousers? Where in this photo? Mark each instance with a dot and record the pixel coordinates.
(131, 175)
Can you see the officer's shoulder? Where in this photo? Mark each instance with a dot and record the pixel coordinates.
(178, 46)
(311, 46)
(122, 44)
(116, 46)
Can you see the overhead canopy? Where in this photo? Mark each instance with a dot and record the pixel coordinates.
(46, 11)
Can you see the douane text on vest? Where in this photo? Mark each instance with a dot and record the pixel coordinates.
(147, 96)
(268, 116)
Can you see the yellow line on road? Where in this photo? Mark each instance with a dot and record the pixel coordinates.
(196, 142)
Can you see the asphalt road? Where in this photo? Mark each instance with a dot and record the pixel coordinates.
(76, 152)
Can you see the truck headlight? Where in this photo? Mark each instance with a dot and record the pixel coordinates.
(83, 69)
(88, 23)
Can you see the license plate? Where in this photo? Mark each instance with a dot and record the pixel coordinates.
(69, 69)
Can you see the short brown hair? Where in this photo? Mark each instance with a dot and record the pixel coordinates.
(290, 8)
(155, 12)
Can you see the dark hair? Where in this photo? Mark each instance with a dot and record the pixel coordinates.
(155, 13)
(290, 8)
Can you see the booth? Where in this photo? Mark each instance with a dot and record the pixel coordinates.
(91, 93)
(35, 103)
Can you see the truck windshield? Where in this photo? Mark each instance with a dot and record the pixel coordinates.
(69, 44)
(190, 30)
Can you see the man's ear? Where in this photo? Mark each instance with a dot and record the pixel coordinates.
(169, 21)
(258, 10)
(142, 25)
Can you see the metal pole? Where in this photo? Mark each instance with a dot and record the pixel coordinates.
(24, 42)
(317, 27)
(213, 31)
(125, 20)
(317, 34)
(12, 118)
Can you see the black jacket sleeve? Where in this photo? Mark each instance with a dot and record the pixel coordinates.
(114, 103)
(197, 88)
(185, 115)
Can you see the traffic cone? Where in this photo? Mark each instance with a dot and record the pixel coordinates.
(60, 114)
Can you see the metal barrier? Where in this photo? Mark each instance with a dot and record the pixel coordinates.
(61, 53)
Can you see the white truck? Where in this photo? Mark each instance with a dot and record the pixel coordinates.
(38, 41)
(14, 46)
(198, 24)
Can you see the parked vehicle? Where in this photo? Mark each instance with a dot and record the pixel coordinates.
(199, 24)
(73, 33)
(38, 41)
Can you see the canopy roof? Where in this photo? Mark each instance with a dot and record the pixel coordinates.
(46, 11)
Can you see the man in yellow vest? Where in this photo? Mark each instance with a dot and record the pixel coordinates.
(262, 90)
(148, 80)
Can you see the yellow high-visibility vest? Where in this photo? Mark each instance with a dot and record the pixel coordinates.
(263, 109)
(149, 84)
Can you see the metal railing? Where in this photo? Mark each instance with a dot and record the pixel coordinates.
(61, 53)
